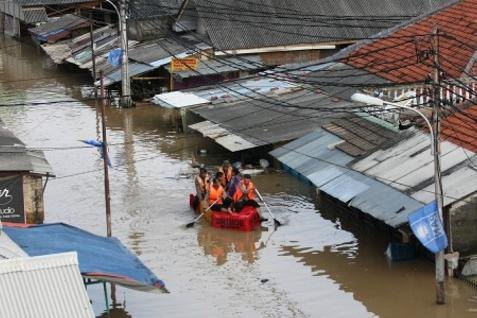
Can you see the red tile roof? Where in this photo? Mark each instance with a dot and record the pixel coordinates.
(461, 128)
(394, 57)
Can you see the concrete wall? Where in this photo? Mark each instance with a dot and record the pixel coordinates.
(33, 198)
(464, 225)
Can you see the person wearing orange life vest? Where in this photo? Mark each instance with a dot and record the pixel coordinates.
(216, 196)
(220, 175)
(245, 194)
(201, 181)
(226, 169)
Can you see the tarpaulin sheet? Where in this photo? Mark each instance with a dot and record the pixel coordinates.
(103, 258)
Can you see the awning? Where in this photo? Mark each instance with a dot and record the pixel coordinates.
(178, 99)
(101, 258)
(222, 136)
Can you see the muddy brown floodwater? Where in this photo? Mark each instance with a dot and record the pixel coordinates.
(320, 264)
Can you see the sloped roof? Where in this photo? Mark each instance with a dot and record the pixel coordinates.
(65, 22)
(145, 9)
(43, 287)
(393, 55)
(316, 157)
(14, 156)
(249, 123)
(461, 128)
(269, 23)
(121, 266)
(49, 2)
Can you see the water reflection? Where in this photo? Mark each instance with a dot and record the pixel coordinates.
(218, 243)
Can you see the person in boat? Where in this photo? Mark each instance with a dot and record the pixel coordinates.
(202, 181)
(234, 182)
(220, 175)
(245, 194)
(226, 169)
(216, 197)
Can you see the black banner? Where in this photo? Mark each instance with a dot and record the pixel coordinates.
(11, 200)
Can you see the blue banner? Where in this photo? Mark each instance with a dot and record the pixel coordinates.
(98, 145)
(427, 227)
(115, 57)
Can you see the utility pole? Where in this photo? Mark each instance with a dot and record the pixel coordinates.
(440, 263)
(125, 81)
(126, 85)
(93, 58)
(107, 195)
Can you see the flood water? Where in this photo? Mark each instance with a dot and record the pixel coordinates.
(321, 263)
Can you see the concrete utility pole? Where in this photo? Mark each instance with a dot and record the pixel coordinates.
(125, 80)
(126, 84)
(440, 263)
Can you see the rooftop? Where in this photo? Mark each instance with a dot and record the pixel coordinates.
(398, 54)
(43, 287)
(14, 156)
(233, 25)
(461, 128)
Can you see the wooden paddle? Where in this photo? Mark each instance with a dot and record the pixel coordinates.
(275, 221)
(191, 224)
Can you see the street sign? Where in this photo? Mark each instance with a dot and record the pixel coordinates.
(184, 64)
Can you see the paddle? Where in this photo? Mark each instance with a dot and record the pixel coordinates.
(275, 221)
(191, 224)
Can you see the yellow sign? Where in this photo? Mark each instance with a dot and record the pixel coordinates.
(185, 64)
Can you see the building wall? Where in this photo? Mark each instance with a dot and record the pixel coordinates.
(278, 58)
(464, 224)
(33, 196)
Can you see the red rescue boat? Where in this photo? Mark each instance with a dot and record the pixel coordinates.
(245, 220)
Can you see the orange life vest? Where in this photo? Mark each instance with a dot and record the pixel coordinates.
(215, 193)
(227, 174)
(239, 194)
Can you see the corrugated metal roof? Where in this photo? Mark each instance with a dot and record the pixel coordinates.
(270, 24)
(64, 22)
(317, 158)
(26, 3)
(262, 123)
(43, 287)
(34, 15)
(178, 100)
(144, 9)
(151, 52)
(223, 136)
(135, 69)
(408, 166)
(223, 65)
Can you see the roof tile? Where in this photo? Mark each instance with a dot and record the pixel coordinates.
(456, 23)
